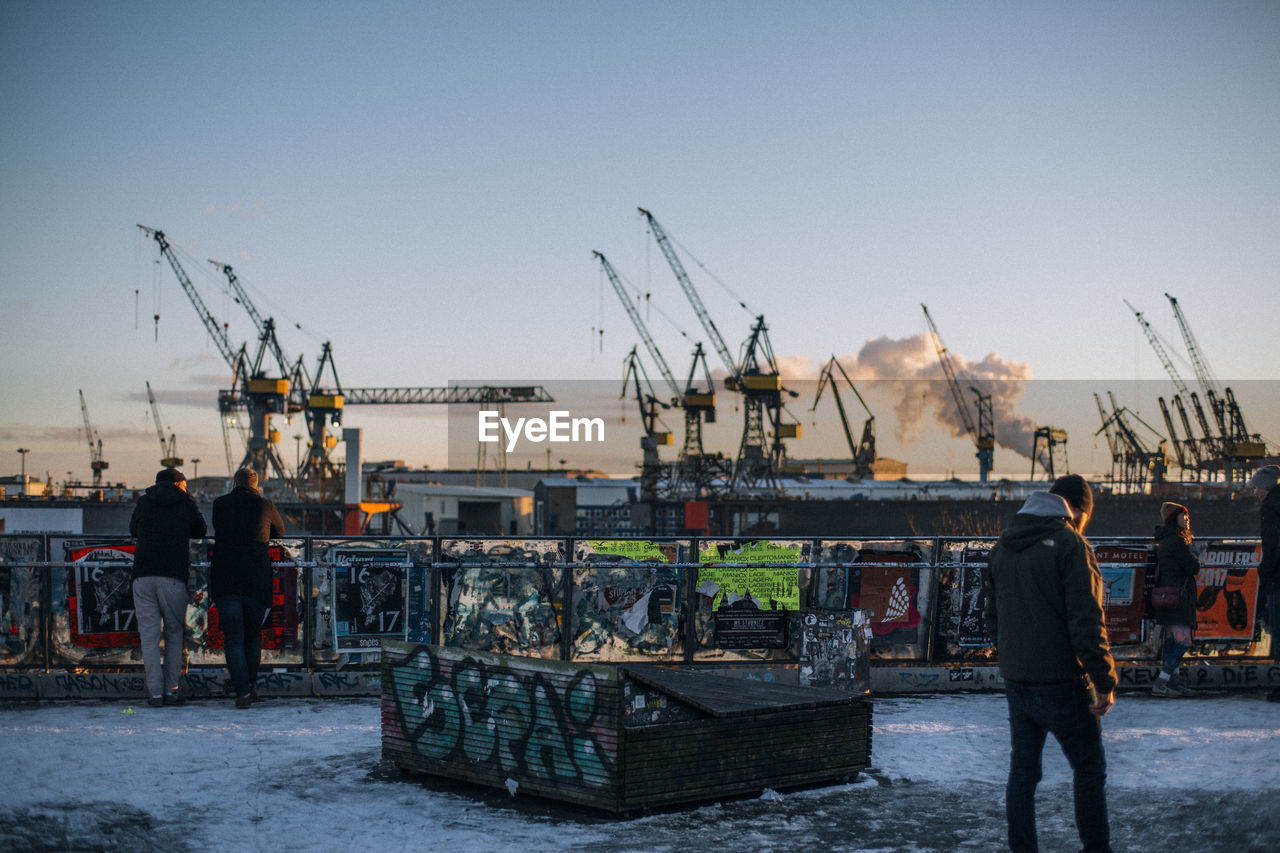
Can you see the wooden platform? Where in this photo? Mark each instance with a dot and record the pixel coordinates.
(617, 738)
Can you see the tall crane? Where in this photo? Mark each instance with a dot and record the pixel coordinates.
(1192, 452)
(168, 447)
(754, 374)
(1241, 451)
(863, 451)
(96, 463)
(695, 470)
(982, 433)
(251, 388)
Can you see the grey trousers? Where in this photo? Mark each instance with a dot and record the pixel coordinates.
(156, 600)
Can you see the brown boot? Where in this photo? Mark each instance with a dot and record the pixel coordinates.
(244, 701)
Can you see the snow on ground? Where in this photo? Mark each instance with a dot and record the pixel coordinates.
(307, 774)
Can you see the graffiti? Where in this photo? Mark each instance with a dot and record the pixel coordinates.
(517, 723)
(16, 682)
(105, 684)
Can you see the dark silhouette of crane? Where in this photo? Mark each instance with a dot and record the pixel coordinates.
(168, 447)
(96, 463)
(863, 450)
(754, 374)
(983, 432)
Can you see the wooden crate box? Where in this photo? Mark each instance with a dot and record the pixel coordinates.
(612, 737)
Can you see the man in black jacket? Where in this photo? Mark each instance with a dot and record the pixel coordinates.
(164, 520)
(1043, 608)
(1266, 483)
(240, 576)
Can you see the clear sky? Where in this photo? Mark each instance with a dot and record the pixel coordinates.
(422, 184)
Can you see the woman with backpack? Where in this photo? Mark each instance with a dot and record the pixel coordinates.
(1173, 600)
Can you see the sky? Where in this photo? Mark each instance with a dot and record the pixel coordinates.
(423, 185)
(306, 774)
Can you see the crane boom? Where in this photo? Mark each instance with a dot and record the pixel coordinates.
(673, 260)
(218, 333)
(1161, 353)
(641, 328)
(944, 357)
(168, 449)
(266, 326)
(96, 463)
(1207, 382)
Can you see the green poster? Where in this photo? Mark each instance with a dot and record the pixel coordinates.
(633, 549)
(765, 584)
(754, 552)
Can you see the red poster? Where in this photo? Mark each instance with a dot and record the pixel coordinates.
(1123, 575)
(100, 600)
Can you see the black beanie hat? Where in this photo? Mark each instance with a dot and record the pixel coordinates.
(1075, 490)
(170, 475)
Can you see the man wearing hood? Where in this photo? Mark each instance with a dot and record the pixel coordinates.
(1266, 484)
(1043, 608)
(164, 520)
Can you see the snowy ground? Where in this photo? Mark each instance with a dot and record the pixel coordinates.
(306, 774)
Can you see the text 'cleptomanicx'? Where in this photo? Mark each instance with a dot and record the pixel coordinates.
(559, 426)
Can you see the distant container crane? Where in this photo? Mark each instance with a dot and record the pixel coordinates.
(96, 463)
(169, 457)
(863, 450)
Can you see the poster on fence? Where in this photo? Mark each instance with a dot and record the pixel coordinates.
(1227, 591)
(370, 600)
(887, 591)
(1123, 575)
(972, 629)
(101, 602)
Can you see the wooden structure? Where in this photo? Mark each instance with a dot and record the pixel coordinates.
(617, 738)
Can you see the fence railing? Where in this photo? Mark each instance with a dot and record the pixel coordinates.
(66, 601)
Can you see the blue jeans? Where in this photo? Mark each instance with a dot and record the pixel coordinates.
(1035, 710)
(1174, 649)
(241, 621)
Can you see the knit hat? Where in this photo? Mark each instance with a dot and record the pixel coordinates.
(1168, 510)
(1266, 477)
(170, 475)
(1075, 490)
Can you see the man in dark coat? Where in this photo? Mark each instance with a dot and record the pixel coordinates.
(244, 522)
(164, 521)
(1043, 608)
(1266, 483)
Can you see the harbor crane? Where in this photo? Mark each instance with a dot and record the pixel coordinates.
(1241, 450)
(168, 447)
(862, 451)
(1192, 453)
(252, 388)
(96, 463)
(982, 433)
(754, 375)
(1137, 462)
(696, 471)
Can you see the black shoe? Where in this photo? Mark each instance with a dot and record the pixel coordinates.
(155, 701)
(173, 697)
(1274, 695)
(244, 701)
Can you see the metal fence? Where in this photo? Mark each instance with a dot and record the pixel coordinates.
(813, 606)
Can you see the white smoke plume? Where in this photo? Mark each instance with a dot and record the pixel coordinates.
(905, 373)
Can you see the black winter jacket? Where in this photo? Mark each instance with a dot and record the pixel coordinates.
(1043, 600)
(163, 521)
(1177, 566)
(1269, 568)
(243, 523)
